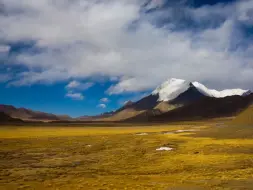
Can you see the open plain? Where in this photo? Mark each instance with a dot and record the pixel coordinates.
(176, 157)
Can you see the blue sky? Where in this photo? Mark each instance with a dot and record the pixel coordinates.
(86, 57)
(52, 98)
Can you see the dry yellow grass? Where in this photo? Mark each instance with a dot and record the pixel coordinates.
(35, 131)
(60, 158)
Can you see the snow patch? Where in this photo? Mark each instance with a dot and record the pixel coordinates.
(142, 134)
(164, 148)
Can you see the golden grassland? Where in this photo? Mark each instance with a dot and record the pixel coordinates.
(42, 131)
(61, 158)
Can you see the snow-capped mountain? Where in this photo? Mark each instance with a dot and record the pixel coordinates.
(177, 94)
(173, 88)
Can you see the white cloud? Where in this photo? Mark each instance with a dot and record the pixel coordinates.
(129, 85)
(75, 96)
(74, 86)
(245, 12)
(78, 85)
(4, 48)
(104, 100)
(83, 39)
(102, 106)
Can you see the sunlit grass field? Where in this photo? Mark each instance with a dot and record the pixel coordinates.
(126, 158)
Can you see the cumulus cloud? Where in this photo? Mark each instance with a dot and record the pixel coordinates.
(74, 86)
(75, 96)
(104, 100)
(102, 106)
(78, 85)
(83, 39)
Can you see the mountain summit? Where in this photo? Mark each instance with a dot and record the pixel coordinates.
(172, 88)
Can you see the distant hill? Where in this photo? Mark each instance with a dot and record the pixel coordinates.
(95, 117)
(31, 115)
(244, 118)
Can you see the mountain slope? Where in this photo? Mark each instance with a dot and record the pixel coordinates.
(132, 109)
(190, 95)
(244, 118)
(207, 107)
(4, 118)
(27, 114)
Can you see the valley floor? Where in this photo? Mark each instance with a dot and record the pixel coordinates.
(214, 157)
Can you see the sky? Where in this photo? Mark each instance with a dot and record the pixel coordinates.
(85, 57)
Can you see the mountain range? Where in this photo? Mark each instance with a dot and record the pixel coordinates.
(30, 115)
(176, 96)
(175, 99)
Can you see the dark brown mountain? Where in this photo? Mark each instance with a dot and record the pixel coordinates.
(150, 105)
(28, 114)
(4, 118)
(204, 108)
(190, 95)
(128, 103)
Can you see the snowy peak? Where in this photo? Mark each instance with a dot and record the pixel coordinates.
(172, 88)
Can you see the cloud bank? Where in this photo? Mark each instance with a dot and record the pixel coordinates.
(138, 44)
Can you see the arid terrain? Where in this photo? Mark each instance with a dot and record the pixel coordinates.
(198, 155)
